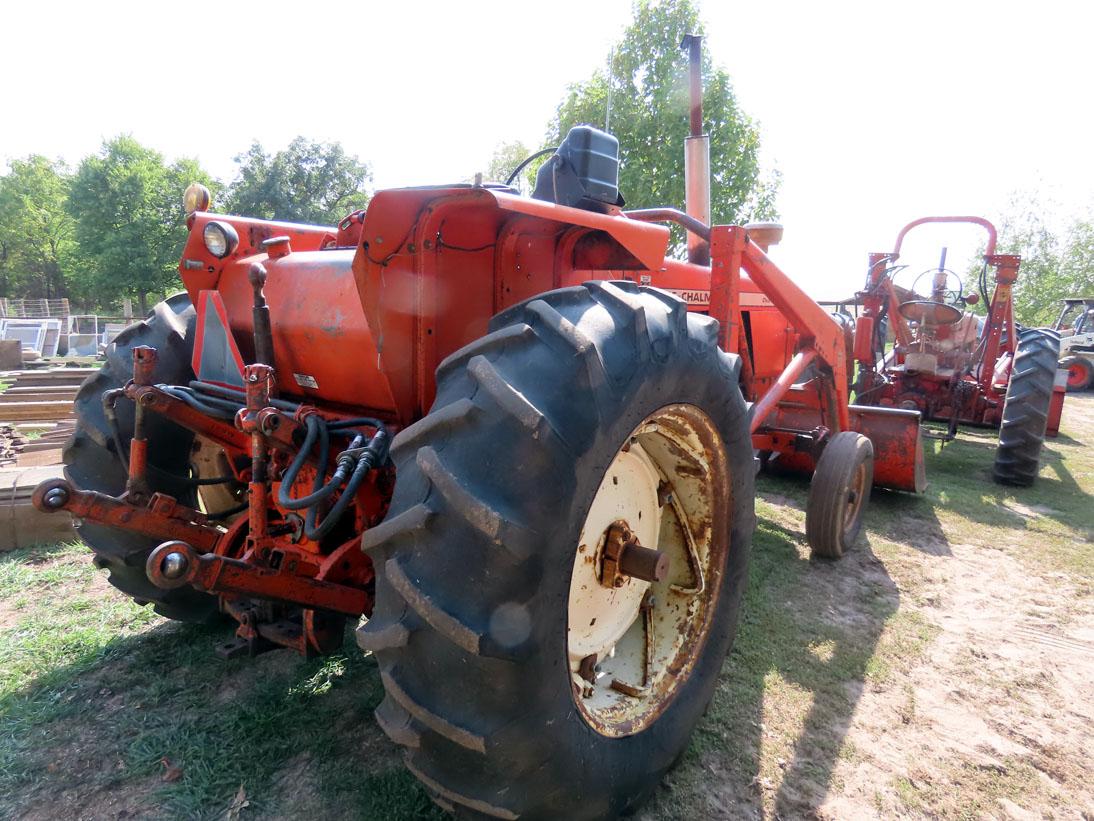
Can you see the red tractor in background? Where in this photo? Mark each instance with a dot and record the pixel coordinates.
(508, 436)
(953, 366)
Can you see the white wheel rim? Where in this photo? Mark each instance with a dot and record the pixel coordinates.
(669, 484)
(599, 616)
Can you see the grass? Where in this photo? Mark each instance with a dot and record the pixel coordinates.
(965, 506)
(100, 695)
(107, 710)
(981, 788)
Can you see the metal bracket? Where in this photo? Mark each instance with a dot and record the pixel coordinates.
(162, 518)
(176, 563)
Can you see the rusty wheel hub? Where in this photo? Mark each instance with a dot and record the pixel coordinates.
(640, 602)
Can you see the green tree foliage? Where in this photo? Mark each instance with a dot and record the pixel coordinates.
(308, 182)
(130, 225)
(507, 156)
(1056, 262)
(650, 118)
(36, 231)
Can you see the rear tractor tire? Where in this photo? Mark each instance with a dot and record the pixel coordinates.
(1080, 372)
(838, 494)
(92, 462)
(1025, 409)
(530, 670)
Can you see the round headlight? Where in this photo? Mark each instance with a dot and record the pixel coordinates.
(196, 198)
(220, 239)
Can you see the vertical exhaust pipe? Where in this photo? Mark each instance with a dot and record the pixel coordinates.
(696, 154)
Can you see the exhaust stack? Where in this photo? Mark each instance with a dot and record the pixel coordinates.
(696, 154)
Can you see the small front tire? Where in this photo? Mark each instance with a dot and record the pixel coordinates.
(837, 494)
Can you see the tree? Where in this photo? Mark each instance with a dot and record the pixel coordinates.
(130, 224)
(308, 182)
(507, 156)
(1056, 262)
(36, 231)
(649, 99)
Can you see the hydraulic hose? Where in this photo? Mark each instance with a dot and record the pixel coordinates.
(232, 511)
(235, 394)
(354, 463)
(219, 411)
(372, 455)
(313, 432)
(320, 491)
(122, 452)
(338, 424)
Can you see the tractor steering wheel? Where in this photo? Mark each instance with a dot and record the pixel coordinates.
(950, 296)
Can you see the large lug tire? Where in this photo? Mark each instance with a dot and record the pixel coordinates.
(1080, 372)
(493, 530)
(1025, 409)
(91, 461)
(838, 494)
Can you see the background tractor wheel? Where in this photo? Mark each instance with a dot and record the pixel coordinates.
(527, 672)
(838, 493)
(92, 463)
(1080, 372)
(1025, 410)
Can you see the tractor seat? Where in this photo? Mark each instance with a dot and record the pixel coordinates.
(927, 312)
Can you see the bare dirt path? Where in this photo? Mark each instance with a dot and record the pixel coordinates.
(997, 715)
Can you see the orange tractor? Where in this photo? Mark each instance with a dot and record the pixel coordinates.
(953, 366)
(508, 437)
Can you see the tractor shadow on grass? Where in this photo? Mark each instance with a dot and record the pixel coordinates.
(908, 519)
(774, 733)
(102, 734)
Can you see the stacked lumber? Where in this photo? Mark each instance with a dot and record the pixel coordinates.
(40, 395)
(29, 444)
(36, 419)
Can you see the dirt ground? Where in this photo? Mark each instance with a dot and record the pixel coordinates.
(943, 669)
(1005, 689)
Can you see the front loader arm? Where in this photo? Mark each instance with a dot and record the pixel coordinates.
(821, 337)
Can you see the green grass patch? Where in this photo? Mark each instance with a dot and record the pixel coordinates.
(97, 693)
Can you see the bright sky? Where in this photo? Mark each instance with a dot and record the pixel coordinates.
(875, 112)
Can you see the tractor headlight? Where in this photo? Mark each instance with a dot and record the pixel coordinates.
(196, 198)
(220, 239)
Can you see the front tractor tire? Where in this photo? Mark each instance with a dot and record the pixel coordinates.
(530, 670)
(1025, 408)
(92, 463)
(838, 494)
